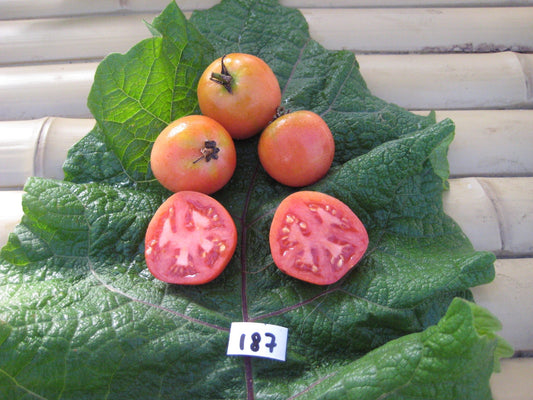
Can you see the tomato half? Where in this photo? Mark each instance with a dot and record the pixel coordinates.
(316, 237)
(297, 149)
(241, 92)
(193, 153)
(190, 239)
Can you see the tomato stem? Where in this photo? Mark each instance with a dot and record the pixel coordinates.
(209, 151)
(223, 78)
(280, 111)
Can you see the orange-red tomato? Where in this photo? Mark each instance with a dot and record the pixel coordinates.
(241, 92)
(190, 239)
(316, 238)
(297, 148)
(194, 153)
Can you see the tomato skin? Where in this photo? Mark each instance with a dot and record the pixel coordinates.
(190, 239)
(255, 94)
(316, 238)
(177, 160)
(297, 149)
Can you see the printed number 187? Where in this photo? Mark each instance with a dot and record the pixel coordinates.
(256, 339)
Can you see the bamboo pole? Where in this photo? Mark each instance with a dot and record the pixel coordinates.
(37, 91)
(20, 9)
(23, 9)
(490, 142)
(10, 213)
(423, 30)
(509, 297)
(451, 81)
(514, 382)
(361, 30)
(495, 213)
(487, 143)
(76, 38)
(428, 81)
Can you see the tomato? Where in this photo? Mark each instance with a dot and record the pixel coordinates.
(316, 237)
(190, 239)
(241, 92)
(194, 153)
(297, 148)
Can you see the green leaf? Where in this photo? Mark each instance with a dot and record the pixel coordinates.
(81, 317)
(442, 362)
(311, 77)
(135, 95)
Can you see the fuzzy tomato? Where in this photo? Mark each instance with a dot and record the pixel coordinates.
(194, 153)
(316, 237)
(241, 92)
(190, 239)
(297, 148)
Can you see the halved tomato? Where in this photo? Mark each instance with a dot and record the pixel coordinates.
(316, 238)
(190, 239)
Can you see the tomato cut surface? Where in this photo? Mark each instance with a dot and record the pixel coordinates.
(190, 239)
(316, 237)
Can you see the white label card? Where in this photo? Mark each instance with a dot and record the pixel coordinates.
(257, 340)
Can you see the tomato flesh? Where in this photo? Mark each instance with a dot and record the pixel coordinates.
(316, 238)
(190, 239)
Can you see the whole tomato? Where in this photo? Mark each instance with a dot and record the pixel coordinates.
(241, 92)
(193, 153)
(297, 148)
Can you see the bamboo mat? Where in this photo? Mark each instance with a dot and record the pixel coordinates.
(471, 61)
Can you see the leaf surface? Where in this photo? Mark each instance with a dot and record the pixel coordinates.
(82, 318)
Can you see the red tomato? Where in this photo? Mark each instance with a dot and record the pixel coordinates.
(190, 239)
(241, 92)
(316, 237)
(194, 153)
(297, 148)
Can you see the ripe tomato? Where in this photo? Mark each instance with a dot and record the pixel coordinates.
(316, 237)
(190, 239)
(241, 92)
(193, 153)
(297, 148)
